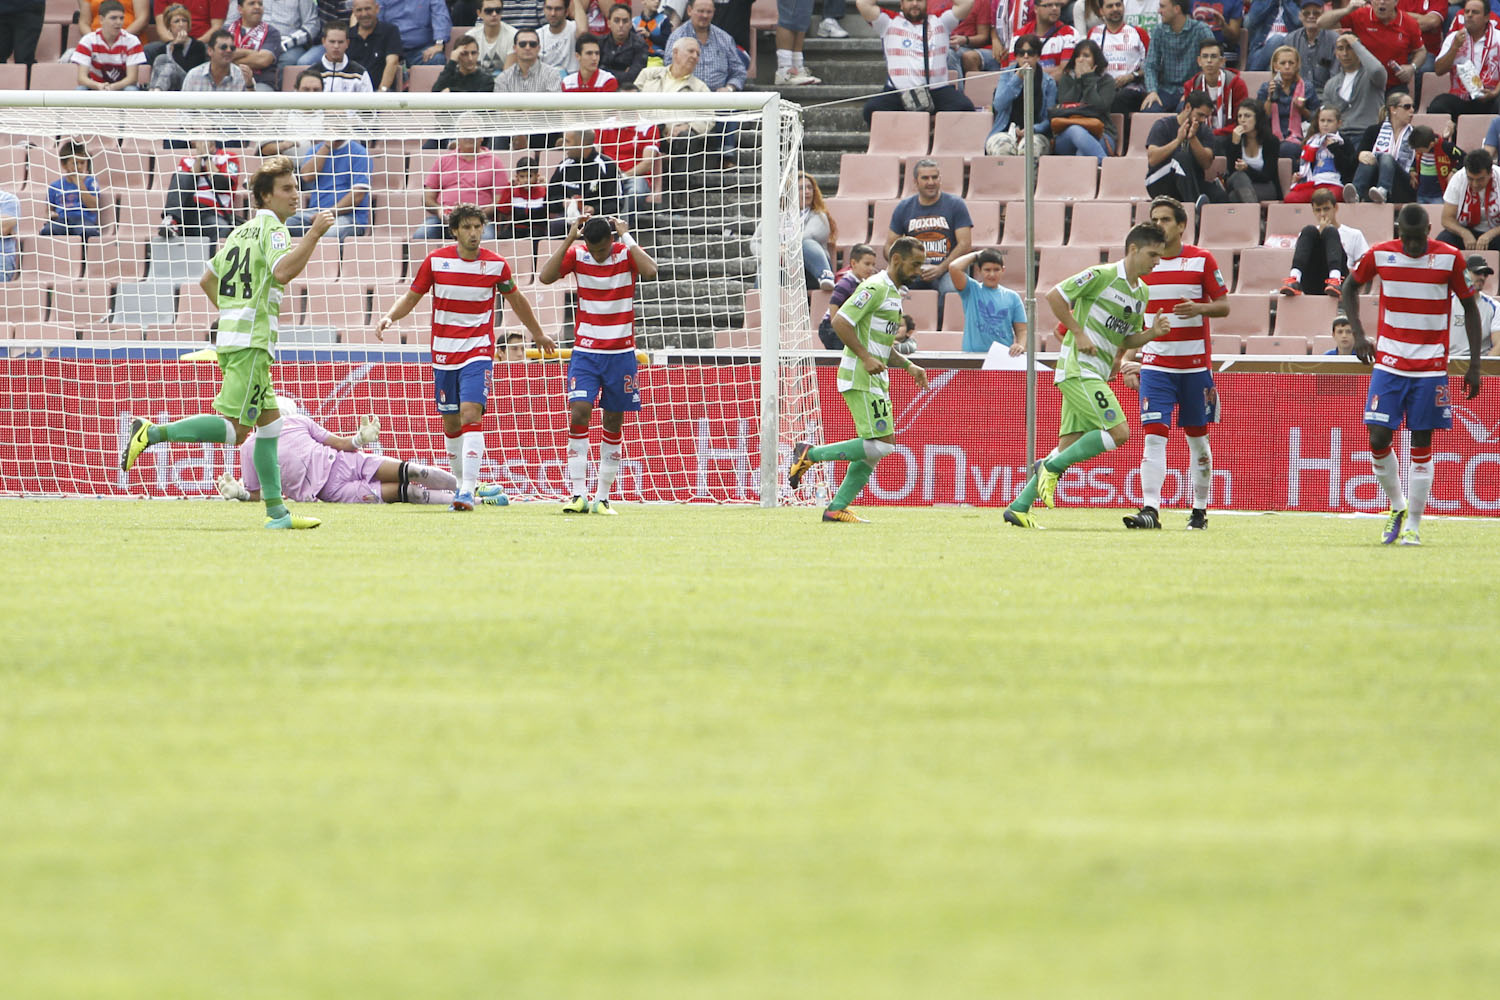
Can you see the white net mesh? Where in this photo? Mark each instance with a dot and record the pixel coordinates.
(119, 207)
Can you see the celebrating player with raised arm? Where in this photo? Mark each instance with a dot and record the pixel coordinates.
(1173, 372)
(463, 279)
(603, 363)
(244, 280)
(1104, 309)
(1417, 275)
(867, 324)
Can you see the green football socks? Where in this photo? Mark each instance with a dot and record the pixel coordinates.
(208, 427)
(1091, 444)
(854, 480)
(1027, 497)
(852, 450)
(268, 468)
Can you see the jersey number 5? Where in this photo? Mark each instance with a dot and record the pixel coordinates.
(237, 268)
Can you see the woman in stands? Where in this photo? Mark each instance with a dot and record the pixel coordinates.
(1254, 156)
(819, 234)
(1008, 101)
(1085, 90)
(182, 54)
(1087, 15)
(1289, 102)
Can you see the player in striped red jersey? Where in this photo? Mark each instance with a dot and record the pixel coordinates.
(463, 278)
(605, 269)
(1417, 275)
(1173, 372)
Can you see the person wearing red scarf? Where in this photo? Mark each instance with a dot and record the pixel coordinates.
(1224, 87)
(1471, 205)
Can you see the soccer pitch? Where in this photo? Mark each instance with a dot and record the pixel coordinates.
(734, 753)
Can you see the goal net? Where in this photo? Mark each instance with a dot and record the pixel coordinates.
(122, 198)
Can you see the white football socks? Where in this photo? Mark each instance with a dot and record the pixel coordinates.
(1389, 476)
(455, 455)
(578, 463)
(473, 456)
(1422, 472)
(1203, 470)
(610, 450)
(1153, 470)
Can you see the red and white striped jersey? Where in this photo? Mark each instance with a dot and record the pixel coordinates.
(1191, 276)
(107, 61)
(463, 303)
(626, 145)
(602, 82)
(606, 299)
(1124, 50)
(1413, 335)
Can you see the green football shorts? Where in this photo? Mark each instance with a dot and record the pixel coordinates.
(246, 390)
(871, 412)
(1087, 405)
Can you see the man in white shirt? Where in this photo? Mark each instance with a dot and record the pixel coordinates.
(1124, 46)
(1325, 250)
(497, 40)
(1471, 205)
(916, 77)
(559, 36)
(1478, 272)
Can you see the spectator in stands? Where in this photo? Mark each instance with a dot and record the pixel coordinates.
(973, 39)
(1471, 205)
(1224, 18)
(524, 210)
(636, 154)
(1010, 101)
(462, 74)
(862, 264)
(655, 24)
(110, 58)
(296, 23)
(341, 75)
(1392, 37)
(589, 14)
(1287, 101)
(1124, 46)
(684, 144)
(424, 26)
(257, 42)
(793, 18)
(1085, 93)
(1385, 155)
(1083, 15)
(219, 74)
(1057, 38)
(495, 38)
(733, 16)
(559, 37)
(73, 199)
(523, 14)
(906, 337)
(586, 183)
(10, 219)
(204, 16)
(182, 54)
(528, 74)
(1343, 338)
(1254, 157)
(1471, 55)
(1325, 250)
(464, 13)
(1478, 272)
(1437, 159)
(622, 50)
(1171, 56)
(373, 43)
(200, 197)
(336, 176)
(1431, 16)
(1179, 149)
(1225, 86)
(298, 124)
(1356, 88)
(515, 346)
(819, 235)
(589, 78)
(1314, 47)
(719, 64)
(993, 314)
(469, 173)
(1323, 162)
(135, 20)
(939, 221)
(1266, 26)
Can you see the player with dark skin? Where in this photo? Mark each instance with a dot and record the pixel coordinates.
(1413, 235)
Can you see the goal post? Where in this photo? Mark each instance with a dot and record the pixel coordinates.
(102, 305)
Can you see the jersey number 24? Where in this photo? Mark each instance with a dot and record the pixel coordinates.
(236, 269)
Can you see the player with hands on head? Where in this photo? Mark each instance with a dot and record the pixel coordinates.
(1104, 311)
(463, 278)
(244, 281)
(867, 324)
(603, 366)
(1410, 354)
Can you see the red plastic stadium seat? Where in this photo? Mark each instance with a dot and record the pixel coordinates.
(1323, 344)
(940, 340)
(1305, 316)
(1140, 128)
(980, 90)
(54, 75)
(1061, 263)
(852, 216)
(922, 305)
(1263, 269)
(1435, 122)
(58, 257)
(880, 227)
(986, 217)
(1229, 227)
(1377, 222)
(1102, 224)
(960, 132)
(869, 176)
(61, 11)
(22, 303)
(1276, 345)
(1471, 130)
(903, 132)
(12, 76)
(1228, 343)
(196, 315)
(338, 306)
(1000, 177)
(1287, 220)
(1048, 217)
(953, 312)
(49, 44)
(1123, 178)
(420, 79)
(114, 259)
(1067, 178)
(1249, 315)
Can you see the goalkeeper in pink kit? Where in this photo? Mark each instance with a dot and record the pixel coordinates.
(319, 465)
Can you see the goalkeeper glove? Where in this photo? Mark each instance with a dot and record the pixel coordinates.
(231, 488)
(368, 433)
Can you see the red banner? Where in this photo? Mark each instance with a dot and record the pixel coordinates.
(1288, 442)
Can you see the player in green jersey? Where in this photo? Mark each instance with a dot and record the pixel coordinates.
(244, 280)
(867, 324)
(1104, 309)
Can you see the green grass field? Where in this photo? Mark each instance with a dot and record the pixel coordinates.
(732, 753)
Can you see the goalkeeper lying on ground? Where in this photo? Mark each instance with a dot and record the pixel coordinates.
(319, 465)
